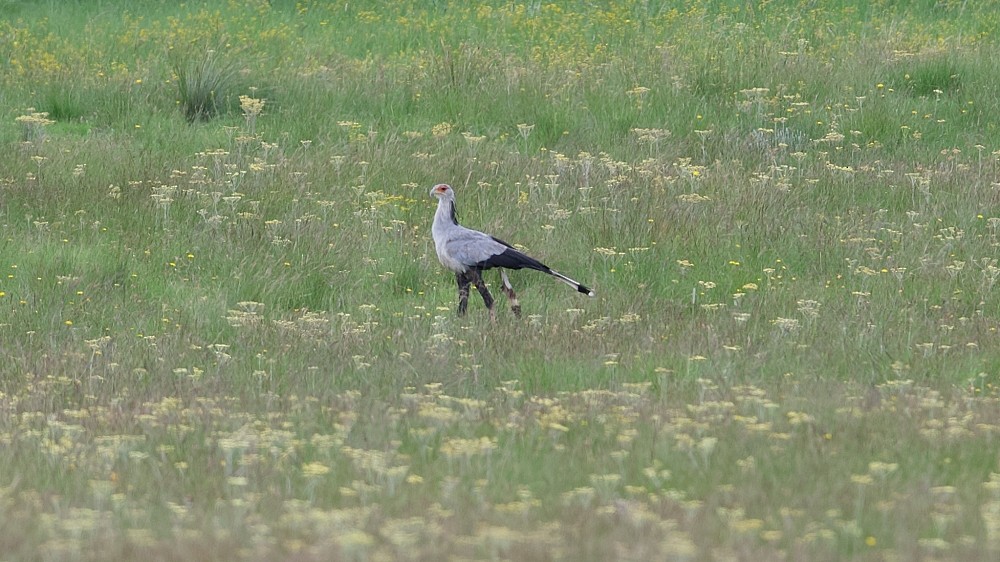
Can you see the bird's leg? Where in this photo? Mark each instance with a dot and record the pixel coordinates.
(477, 278)
(508, 290)
(463, 292)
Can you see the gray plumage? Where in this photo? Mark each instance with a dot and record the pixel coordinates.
(468, 252)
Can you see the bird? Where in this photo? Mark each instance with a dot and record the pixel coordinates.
(468, 253)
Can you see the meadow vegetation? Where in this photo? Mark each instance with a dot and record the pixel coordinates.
(225, 333)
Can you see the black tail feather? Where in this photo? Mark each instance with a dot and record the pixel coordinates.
(513, 259)
(581, 288)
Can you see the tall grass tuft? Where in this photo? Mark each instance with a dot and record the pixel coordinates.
(204, 83)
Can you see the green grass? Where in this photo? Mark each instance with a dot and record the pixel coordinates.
(228, 336)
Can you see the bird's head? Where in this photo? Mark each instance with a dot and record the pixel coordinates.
(442, 191)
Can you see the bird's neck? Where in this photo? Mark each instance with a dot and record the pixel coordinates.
(446, 213)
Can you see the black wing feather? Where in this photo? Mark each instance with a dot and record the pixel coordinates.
(512, 259)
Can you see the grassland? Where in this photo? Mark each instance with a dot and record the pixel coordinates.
(225, 334)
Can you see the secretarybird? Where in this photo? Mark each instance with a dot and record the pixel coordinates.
(469, 252)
